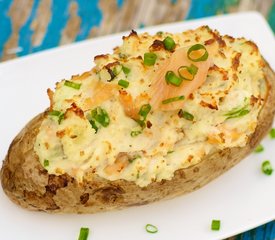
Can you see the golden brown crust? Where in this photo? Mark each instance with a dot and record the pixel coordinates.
(28, 184)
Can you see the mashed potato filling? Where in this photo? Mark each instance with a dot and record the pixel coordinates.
(103, 120)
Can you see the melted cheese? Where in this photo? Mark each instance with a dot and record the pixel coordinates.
(168, 143)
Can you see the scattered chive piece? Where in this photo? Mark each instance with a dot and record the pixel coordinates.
(144, 110)
(237, 112)
(93, 124)
(123, 83)
(117, 69)
(193, 52)
(101, 116)
(159, 33)
(185, 115)
(54, 113)
(149, 59)
(169, 152)
(174, 99)
(83, 234)
(72, 84)
(126, 70)
(259, 148)
(135, 133)
(272, 133)
(216, 225)
(151, 228)
(46, 163)
(172, 78)
(267, 168)
(58, 114)
(187, 73)
(169, 43)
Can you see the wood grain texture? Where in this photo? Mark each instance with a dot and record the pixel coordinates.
(34, 25)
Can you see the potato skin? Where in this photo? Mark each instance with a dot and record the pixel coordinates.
(28, 184)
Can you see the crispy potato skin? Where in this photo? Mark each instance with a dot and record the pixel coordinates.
(28, 184)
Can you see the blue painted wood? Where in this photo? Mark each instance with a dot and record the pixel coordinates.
(60, 16)
(5, 24)
(86, 9)
(25, 33)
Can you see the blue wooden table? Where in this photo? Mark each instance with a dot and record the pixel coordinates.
(28, 26)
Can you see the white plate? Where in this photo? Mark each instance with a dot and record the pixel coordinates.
(242, 198)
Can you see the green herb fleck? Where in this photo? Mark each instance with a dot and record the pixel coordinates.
(135, 133)
(267, 168)
(259, 148)
(72, 84)
(272, 133)
(186, 115)
(83, 234)
(46, 163)
(216, 225)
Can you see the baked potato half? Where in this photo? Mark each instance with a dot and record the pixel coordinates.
(35, 186)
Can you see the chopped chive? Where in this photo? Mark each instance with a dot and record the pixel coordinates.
(135, 133)
(123, 83)
(93, 124)
(58, 114)
(72, 84)
(259, 148)
(126, 70)
(185, 115)
(117, 69)
(144, 110)
(272, 133)
(169, 152)
(46, 163)
(216, 225)
(172, 78)
(174, 99)
(101, 116)
(237, 112)
(54, 113)
(267, 168)
(169, 43)
(159, 33)
(187, 73)
(83, 234)
(149, 59)
(151, 228)
(192, 52)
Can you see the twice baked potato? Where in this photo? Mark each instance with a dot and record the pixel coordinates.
(161, 116)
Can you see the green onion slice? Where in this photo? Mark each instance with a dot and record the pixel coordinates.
(187, 73)
(185, 115)
(272, 133)
(54, 113)
(58, 114)
(151, 228)
(259, 148)
(216, 225)
(172, 78)
(149, 59)
(46, 163)
(117, 69)
(93, 124)
(135, 133)
(83, 234)
(197, 53)
(72, 84)
(123, 83)
(237, 112)
(169, 43)
(126, 70)
(144, 110)
(174, 99)
(267, 168)
(101, 116)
